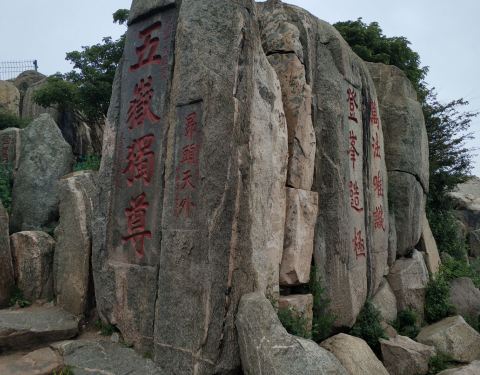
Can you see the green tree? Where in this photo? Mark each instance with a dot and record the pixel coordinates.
(86, 90)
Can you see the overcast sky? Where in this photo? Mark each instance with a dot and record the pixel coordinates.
(444, 32)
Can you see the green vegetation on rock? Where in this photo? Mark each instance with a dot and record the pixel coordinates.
(6, 185)
(406, 323)
(437, 299)
(9, 120)
(294, 322)
(323, 319)
(368, 326)
(89, 162)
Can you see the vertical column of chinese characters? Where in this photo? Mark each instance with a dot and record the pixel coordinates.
(377, 179)
(140, 157)
(187, 166)
(6, 142)
(356, 172)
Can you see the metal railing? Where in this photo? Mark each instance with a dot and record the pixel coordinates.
(11, 69)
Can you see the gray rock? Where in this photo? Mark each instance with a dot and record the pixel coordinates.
(29, 327)
(31, 110)
(9, 98)
(474, 243)
(10, 143)
(267, 348)
(471, 369)
(74, 243)
(467, 195)
(385, 301)
(103, 357)
(140, 8)
(354, 354)
(7, 280)
(465, 297)
(429, 247)
(26, 79)
(454, 337)
(403, 356)
(39, 362)
(33, 264)
(409, 278)
(300, 305)
(44, 158)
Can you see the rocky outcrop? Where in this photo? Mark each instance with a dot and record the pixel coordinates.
(31, 110)
(465, 297)
(386, 302)
(406, 151)
(403, 356)
(9, 98)
(7, 280)
(454, 337)
(74, 242)
(354, 354)
(23, 82)
(301, 216)
(33, 264)
(44, 158)
(267, 348)
(39, 362)
(429, 248)
(409, 278)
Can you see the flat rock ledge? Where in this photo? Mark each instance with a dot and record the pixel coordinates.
(31, 327)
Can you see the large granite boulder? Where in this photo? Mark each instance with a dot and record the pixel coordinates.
(31, 110)
(467, 195)
(267, 348)
(354, 354)
(403, 356)
(23, 81)
(471, 369)
(465, 297)
(351, 236)
(211, 198)
(386, 302)
(73, 247)
(409, 278)
(9, 98)
(406, 151)
(33, 264)
(44, 158)
(454, 337)
(7, 280)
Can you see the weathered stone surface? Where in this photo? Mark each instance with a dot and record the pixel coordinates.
(471, 369)
(29, 327)
(33, 264)
(10, 143)
(25, 80)
(297, 103)
(141, 8)
(474, 243)
(392, 240)
(388, 329)
(301, 305)
(9, 98)
(429, 247)
(409, 278)
(467, 195)
(233, 237)
(301, 216)
(7, 280)
(403, 356)
(87, 357)
(39, 362)
(30, 109)
(267, 348)
(354, 354)
(44, 158)
(465, 297)
(73, 242)
(344, 96)
(452, 336)
(385, 301)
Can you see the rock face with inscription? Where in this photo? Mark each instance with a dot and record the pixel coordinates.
(351, 236)
(6, 266)
(193, 173)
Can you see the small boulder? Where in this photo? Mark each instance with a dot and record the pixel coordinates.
(409, 278)
(6, 265)
(354, 354)
(403, 356)
(454, 337)
(44, 158)
(465, 297)
(33, 262)
(471, 369)
(267, 348)
(39, 362)
(385, 301)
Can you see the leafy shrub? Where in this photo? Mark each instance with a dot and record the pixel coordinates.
(6, 185)
(454, 268)
(447, 236)
(323, 319)
(90, 162)
(294, 322)
(105, 329)
(17, 298)
(438, 363)
(406, 323)
(9, 120)
(437, 299)
(368, 326)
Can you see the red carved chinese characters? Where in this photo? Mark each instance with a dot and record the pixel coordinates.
(359, 243)
(191, 125)
(189, 154)
(376, 147)
(136, 214)
(353, 105)
(140, 160)
(355, 196)
(378, 218)
(184, 207)
(378, 184)
(139, 109)
(352, 151)
(147, 52)
(374, 114)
